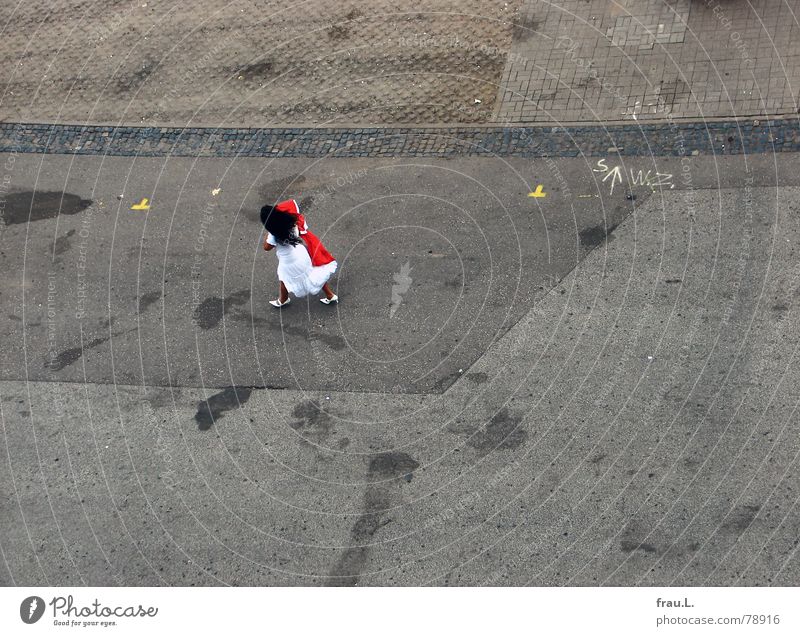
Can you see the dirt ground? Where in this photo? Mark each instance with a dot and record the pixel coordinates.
(251, 63)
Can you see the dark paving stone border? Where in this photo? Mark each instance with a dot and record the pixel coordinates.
(669, 138)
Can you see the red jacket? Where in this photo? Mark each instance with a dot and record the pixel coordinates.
(316, 250)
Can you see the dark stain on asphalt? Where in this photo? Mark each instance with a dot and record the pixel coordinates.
(305, 204)
(479, 377)
(377, 501)
(257, 70)
(691, 464)
(70, 356)
(349, 567)
(313, 423)
(388, 465)
(503, 432)
(594, 236)
(444, 383)
(148, 299)
(208, 411)
(630, 546)
(209, 312)
(24, 207)
(62, 243)
(280, 189)
(271, 192)
(740, 518)
(337, 343)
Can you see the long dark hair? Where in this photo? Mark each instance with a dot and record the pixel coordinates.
(280, 225)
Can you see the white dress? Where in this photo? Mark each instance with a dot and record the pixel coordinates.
(296, 271)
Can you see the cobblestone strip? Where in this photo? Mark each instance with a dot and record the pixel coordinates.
(672, 138)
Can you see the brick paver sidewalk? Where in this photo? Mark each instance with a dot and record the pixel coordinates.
(601, 60)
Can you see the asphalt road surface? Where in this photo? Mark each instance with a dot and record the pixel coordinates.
(591, 387)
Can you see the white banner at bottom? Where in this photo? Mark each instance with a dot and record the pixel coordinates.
(399, 611)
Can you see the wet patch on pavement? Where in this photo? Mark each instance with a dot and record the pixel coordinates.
(147, 299)
(208, 313)
(388, 465)
(593, 237)
(215, 407)
(503, 432)
(740, 519)
(28, 207)
(313, 423)
(631, 546)
(63, 244)
(71, 356)
(349, 568)
(378, 499)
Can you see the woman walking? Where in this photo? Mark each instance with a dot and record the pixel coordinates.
(304, 265)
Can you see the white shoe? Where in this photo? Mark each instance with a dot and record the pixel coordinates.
(279, 304)
(329, 301)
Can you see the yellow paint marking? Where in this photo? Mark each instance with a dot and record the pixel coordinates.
(538, 193)
(144, 204)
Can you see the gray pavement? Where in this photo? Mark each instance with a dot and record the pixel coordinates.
(594, 60)
(543, 405)
(183, 289)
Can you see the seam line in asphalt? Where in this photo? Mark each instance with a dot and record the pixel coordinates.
(214, 387)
